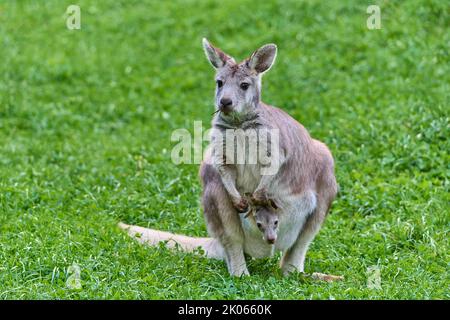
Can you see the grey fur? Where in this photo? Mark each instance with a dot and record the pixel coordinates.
(303, 188)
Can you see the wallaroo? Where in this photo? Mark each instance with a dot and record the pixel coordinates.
(295, 199)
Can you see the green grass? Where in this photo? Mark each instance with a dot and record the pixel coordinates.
(85, 124)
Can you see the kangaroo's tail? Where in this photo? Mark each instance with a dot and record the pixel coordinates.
(211, 247)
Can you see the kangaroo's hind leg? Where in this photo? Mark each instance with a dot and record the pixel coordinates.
(294, 257)
(222, 220)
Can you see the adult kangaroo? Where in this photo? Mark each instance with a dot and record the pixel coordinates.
(300, 183)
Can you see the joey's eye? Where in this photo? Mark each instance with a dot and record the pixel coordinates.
(275, 223)
(219, 83)
(258, 225)
(244, 85)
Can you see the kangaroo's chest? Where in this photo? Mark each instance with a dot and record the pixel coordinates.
(251, 148)
(247, 150)
(248, 177)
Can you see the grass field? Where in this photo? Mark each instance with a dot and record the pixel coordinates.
(85, 123)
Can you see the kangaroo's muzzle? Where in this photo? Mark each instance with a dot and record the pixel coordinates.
(225, 105)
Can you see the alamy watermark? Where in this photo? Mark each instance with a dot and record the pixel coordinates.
(74, 277)
(230, 146)
(374, 20)
(373, 278)
(73, 17)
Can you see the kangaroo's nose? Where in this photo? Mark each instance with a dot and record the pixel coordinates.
(225, 103)
(271, 240)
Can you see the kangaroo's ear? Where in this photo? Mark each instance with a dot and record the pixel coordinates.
(217, 57)
(262, 59)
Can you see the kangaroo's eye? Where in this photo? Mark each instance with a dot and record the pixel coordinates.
(258, 225)
(275, 223)
(219, 83)
(244, 85)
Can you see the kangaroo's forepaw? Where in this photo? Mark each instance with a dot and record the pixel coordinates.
(241, 205)
(259, 197)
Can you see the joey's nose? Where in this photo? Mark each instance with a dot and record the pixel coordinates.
(225, 104)
(271, 240)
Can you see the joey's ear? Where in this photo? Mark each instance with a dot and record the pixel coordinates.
(273, 204)
(217, 57)
(251, 211)
(262, 59)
